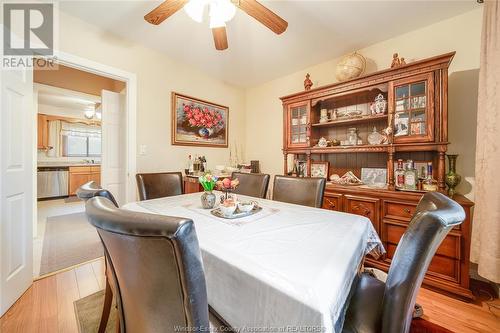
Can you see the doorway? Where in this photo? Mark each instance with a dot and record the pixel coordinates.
(18, 157)
(71, 135)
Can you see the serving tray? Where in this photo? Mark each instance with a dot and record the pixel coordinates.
(237, 213)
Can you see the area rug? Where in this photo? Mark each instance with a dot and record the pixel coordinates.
(69, 240)
(88, 312)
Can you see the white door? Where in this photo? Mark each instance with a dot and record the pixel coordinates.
(113, 161)
(17, 146)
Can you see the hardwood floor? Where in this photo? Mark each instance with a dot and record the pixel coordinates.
(48, 305)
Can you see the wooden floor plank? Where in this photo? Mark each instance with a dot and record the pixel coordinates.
(67, 293)
(45, 305)
(19, 318)
(48, 305)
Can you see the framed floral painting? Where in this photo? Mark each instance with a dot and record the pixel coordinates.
(198, 123)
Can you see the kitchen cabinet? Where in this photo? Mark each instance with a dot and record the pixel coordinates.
(43, 132)
(79, 175)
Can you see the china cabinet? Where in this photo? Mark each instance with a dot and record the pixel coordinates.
(408, 107)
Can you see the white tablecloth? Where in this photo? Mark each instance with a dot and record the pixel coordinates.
(288, 266)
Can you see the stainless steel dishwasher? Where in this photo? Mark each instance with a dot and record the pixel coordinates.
(52, 182)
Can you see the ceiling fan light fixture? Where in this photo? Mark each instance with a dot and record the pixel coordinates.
(222, 10)
(195, 9)
(89, 114)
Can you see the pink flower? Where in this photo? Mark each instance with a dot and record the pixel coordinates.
(192, 122)
(219, 116)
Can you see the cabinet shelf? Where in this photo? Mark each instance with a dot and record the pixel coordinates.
(351, 121)
(350, 149)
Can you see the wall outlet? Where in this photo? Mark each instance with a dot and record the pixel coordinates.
(143, 149)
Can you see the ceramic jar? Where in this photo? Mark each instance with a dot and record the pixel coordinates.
(322, 143)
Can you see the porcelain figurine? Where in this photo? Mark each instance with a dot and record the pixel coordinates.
(395, 61)
(323, 118)
(307, 82)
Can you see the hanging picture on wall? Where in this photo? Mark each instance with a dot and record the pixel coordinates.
(198, 123)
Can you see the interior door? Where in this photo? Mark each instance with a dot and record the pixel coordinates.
(17, 144)
(113, 160)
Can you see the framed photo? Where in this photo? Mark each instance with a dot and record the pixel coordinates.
(374, 176)
(198, 123)
(320, 169)
(401, 124)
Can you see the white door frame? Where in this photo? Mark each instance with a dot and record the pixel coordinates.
(130, 108)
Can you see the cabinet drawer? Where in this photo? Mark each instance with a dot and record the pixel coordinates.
(95, 169)
(398, 210)
(441, 266)
(450, 247)
(332, 202)
(79, 169)
(368, 207)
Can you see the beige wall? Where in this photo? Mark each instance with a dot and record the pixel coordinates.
(264, 117)
(157, 76)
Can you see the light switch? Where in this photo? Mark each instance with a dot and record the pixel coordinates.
(143, 149)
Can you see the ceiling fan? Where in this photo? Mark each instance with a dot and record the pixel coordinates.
(220, 12)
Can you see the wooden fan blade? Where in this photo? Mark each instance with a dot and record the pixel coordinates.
(164, 11)
(220, 38)
(262, 14)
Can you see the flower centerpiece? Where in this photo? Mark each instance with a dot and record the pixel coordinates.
(208, 181)
(227, 185)
(205, 121)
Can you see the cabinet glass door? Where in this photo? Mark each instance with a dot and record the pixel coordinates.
(413, 110)
(298, 125)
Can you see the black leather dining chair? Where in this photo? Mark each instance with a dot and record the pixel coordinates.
(92, 189)
(86, 192)
(300, 191)
(156, 265)
(251, 184)
(159, 185)
(387, 307)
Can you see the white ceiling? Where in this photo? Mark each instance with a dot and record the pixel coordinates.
(68, 101)
(317, 31)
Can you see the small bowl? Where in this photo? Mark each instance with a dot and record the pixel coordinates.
(227, 211)
(245, 207)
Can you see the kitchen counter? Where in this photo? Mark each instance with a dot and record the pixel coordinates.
(64, 164)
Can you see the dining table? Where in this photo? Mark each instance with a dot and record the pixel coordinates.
(285, 268)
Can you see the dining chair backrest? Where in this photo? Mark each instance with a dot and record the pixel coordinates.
(251, 184)
(92, 189)
(435, 216)
(300, 191)
(159, 185)
(156, 263)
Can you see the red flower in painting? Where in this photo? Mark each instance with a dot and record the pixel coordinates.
(202, 117)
